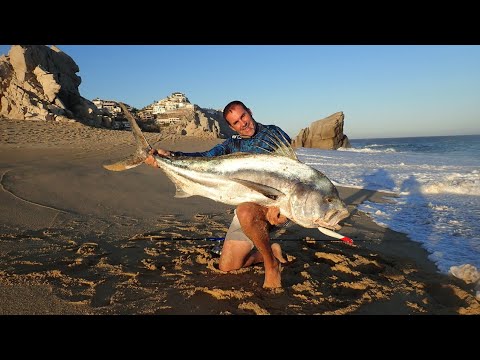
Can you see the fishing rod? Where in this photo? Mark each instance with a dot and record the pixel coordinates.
(323, 230)
(219, 239)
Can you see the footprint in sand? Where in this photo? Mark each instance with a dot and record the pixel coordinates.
(87, 249)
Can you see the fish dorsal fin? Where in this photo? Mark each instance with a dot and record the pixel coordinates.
(265, 190)
(278, 145)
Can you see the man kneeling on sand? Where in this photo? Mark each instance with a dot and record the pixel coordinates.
(252, 223)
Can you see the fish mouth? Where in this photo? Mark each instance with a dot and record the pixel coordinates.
(332, 218)
(325, 225)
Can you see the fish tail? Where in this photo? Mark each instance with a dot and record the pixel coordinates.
(141, 151)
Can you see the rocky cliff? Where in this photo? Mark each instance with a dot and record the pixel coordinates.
(200, 122)
(324, 134)
(39, 82)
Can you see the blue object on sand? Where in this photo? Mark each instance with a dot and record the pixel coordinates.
(217, 248)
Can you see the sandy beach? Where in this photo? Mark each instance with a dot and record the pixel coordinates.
(78, 239)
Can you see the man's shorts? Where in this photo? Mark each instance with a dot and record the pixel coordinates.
(235, 231)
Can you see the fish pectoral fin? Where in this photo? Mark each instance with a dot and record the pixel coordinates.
(125, 164)
(265, 190)
(181, 194)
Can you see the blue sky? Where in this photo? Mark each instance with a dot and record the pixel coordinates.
(384, 91)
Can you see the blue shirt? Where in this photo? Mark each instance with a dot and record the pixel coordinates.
(263, 141)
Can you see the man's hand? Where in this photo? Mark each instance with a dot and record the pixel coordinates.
(162, 152)
(274, 217)
(150, 160)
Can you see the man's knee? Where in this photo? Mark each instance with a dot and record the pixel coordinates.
(227, 259)
(234, 253)
(228, 265)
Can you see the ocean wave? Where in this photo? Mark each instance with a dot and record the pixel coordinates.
(461, 184)
(368, 150)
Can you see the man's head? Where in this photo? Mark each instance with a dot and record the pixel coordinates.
(239, 118)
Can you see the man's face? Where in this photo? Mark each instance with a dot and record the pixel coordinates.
(241, 121)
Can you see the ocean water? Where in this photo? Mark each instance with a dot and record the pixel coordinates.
(436, 179)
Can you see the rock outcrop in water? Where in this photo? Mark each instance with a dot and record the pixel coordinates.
(324, 134)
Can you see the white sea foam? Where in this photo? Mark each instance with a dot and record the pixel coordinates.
(369, 150)
(469, 274)
(438, 194)
(468, 184)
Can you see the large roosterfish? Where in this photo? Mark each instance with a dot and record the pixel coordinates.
(303, 194)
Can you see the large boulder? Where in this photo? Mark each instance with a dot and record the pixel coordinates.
(40, 82)
(324, 134)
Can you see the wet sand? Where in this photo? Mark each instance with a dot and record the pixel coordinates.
(78, 239)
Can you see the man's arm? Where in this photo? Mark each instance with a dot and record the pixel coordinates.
(220, 149)
(217, 150)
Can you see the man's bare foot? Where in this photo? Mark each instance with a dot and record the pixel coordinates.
(277, 252)
(273, 278)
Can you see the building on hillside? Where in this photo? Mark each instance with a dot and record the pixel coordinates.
(112, 106)
(98, 103)
(158, 109)
(212, 111)
(168, 121)
(145, 115)
(173, 102)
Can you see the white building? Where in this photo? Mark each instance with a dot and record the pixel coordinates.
(175, 101)
(171, 120)
(110, 105)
